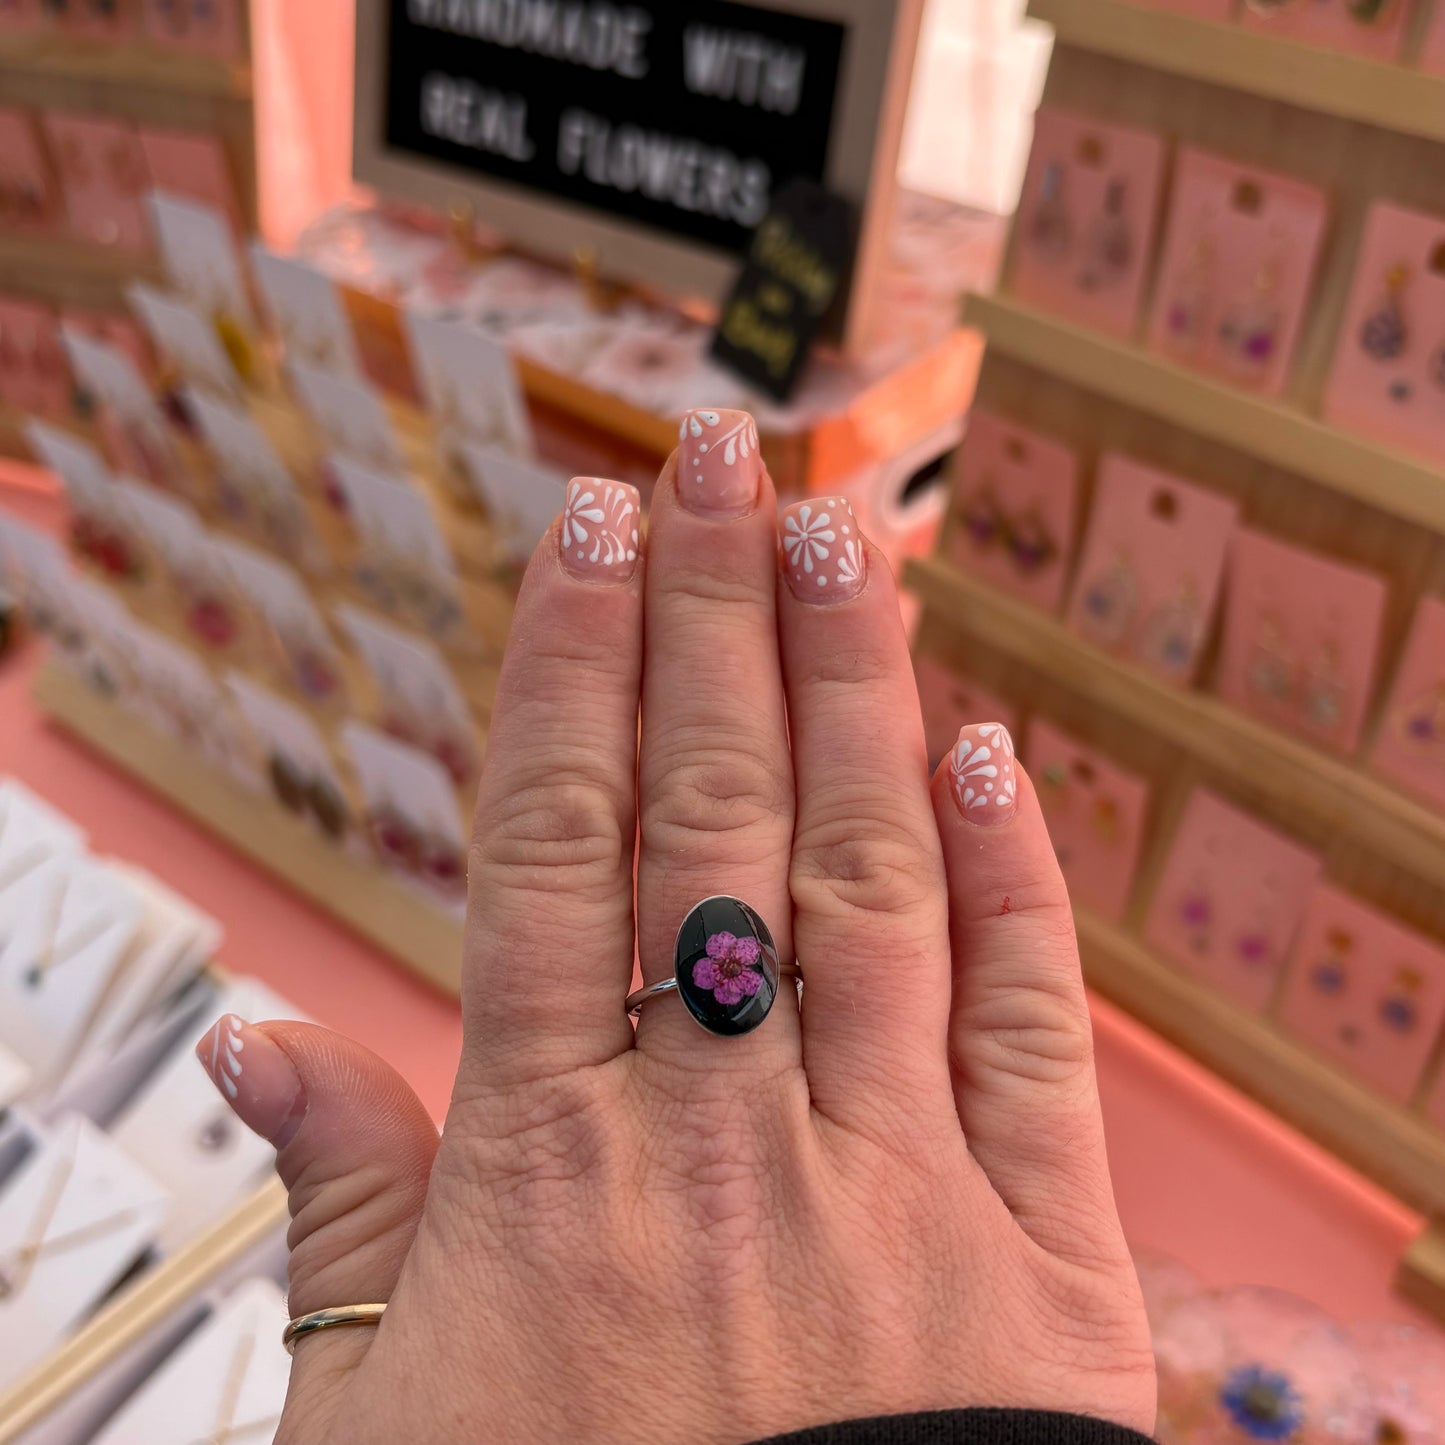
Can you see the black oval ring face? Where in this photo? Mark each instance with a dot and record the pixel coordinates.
(726, 966)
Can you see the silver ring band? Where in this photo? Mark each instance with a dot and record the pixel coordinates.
(640, 996)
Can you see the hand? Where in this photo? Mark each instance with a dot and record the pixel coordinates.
(895, 1198)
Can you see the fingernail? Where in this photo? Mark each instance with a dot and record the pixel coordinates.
(719, 465)
(255, 1078)
(824, 558)
(985, 780)
(601, 530)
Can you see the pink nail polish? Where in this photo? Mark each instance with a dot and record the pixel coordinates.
(601, 530)
(255, 1078)
(824, 558)
(719, 465)
(984, 776)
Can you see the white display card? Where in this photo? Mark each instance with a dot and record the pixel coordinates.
(348, 415)
(396, 777)
(521, 497)
(282, 729)
(87, 480)
(225, 1384)
(470, 383)
(186, 339)
(409, 670)
(31, 831)
(73, 1219)
(200, 257)
(182, 1133)
(306, 311)
(66, 929)
(111, 376)
(394, 519)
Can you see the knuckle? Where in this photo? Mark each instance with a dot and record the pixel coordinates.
(1031, 1026)
(716, 790)
(855, 867)
(566, 823)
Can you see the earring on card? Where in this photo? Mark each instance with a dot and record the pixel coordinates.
(1324, 689)
(1423, 722)
(982, 516)
(1110, 601)
(1249, 330)
(1384, 332)
(1196, 913)
(1110, 245)
(1184, 321)
(1331, 975)
(1029, 543)
(1051, 230)
(1398, 1010)
(1173, 634)
(1271, 669)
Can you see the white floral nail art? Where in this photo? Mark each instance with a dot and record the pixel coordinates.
(984, 776)
(601, 527)
(823, 550)
(225, 1061)
(719, 462)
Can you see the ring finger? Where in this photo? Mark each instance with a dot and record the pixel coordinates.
(715, 780)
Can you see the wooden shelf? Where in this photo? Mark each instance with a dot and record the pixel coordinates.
(361, 895)
(1390, 1144)
(1392, 96)
(1422, 1271)
(47, 59)
(1274, 431)
(71, 273)
(148, 1303)
(1339, 795)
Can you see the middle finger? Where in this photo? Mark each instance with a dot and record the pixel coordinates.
(715, 779)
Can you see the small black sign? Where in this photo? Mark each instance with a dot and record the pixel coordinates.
(678, 116)
(797, 264)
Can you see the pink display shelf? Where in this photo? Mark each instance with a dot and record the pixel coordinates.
(1201, 1172)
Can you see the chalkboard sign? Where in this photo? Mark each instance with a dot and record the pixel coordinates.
(653, 133)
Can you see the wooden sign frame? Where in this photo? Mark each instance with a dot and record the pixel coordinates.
(869, 109)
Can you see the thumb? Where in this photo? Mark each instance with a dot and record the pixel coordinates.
(355, 1149)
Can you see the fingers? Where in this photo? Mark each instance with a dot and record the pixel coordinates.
(715, 782)
(1020, 1037)
(355, 1150)
(549, 949)
(870, 922)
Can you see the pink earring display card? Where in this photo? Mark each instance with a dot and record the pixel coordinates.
(28, 194)
(950, 701)
(1230, 900)
(1432, 59)
(1153, 563)
(194, 167)
(1301, 640)
(1410, 745)
(1374, 30)
(1388, 378)
(1095, 811)
(1016, 502)
(1366, 991)
(104, 179)
(1087, 220)
(1239, 260)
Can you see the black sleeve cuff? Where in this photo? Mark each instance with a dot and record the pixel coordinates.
(968, 1427)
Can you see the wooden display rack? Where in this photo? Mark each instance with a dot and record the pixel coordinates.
(1362, 131)
(126, 82)
(362, 895)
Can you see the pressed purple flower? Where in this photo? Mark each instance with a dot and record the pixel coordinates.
(729, 971)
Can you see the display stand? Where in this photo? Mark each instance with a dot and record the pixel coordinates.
(363, 896)
(1363, 131)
